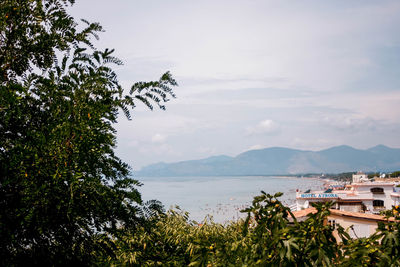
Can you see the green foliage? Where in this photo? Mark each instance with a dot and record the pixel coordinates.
(176, 241)
(395, 174)
(345, 176)
(361, 252)
(63, 191)
(32, 31)
(269, 236)
(372, 175)
(67, 199)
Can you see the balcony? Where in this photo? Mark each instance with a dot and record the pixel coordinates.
(378, 208)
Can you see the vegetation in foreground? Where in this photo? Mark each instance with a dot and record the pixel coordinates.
(64, 194)
(67, 199)
(270, 236)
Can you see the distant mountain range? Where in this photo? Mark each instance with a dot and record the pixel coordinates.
(281, 161)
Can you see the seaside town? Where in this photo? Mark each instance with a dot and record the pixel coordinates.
(199, 133)
(358, 205)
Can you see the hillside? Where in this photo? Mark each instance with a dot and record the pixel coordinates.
(280, 161)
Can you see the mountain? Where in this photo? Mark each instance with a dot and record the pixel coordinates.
(280, 161)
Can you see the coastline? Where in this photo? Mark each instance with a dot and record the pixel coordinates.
(222, 197)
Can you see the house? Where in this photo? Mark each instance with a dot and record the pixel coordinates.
(362, 195)
(359, 177)
(357, 224)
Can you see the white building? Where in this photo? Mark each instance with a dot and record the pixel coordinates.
(356, 224)
(360, 177)
(368, 197)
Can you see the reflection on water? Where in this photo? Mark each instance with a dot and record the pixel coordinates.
(221, 196)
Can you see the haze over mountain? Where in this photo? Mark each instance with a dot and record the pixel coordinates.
(301, 74)
(280, 161)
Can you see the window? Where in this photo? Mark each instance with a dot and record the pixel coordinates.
(378, 203)
(377, 190)
(332, 223)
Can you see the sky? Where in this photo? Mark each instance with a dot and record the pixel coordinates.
(254, 74)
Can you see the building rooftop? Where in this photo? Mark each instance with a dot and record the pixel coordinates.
(373, 184)
(365, 216)
(305, 212)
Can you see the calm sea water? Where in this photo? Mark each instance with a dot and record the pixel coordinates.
(220, 197)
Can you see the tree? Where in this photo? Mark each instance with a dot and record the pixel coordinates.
(63, 192)
(270, 236)
(395, 174)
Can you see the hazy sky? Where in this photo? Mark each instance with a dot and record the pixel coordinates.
(255, 74)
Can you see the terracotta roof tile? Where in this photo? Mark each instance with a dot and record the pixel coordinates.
(303, 213)
(368, 216)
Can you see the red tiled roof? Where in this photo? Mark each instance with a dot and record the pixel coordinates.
(359, 215)
(305, 212)
(367, 216)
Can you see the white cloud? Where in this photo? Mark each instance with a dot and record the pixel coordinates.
(313, 67)
(350, 122)
(265, 127)
(207, 150)
(158, 138)
(253, 147)
(132, 143)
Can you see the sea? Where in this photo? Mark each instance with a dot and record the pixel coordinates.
(220, 197)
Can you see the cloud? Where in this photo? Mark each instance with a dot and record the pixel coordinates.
(253, 147)
(132, 143)
(207, 150)
(158, 138)
(265, 127)
(326, 84)
(351, 123)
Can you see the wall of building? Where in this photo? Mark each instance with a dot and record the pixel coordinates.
(364, 192)
(304, 203)
(358, 177)
(362, 227)
(377, 179)
(352, 208)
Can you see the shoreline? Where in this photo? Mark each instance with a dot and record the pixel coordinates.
(220, 196)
